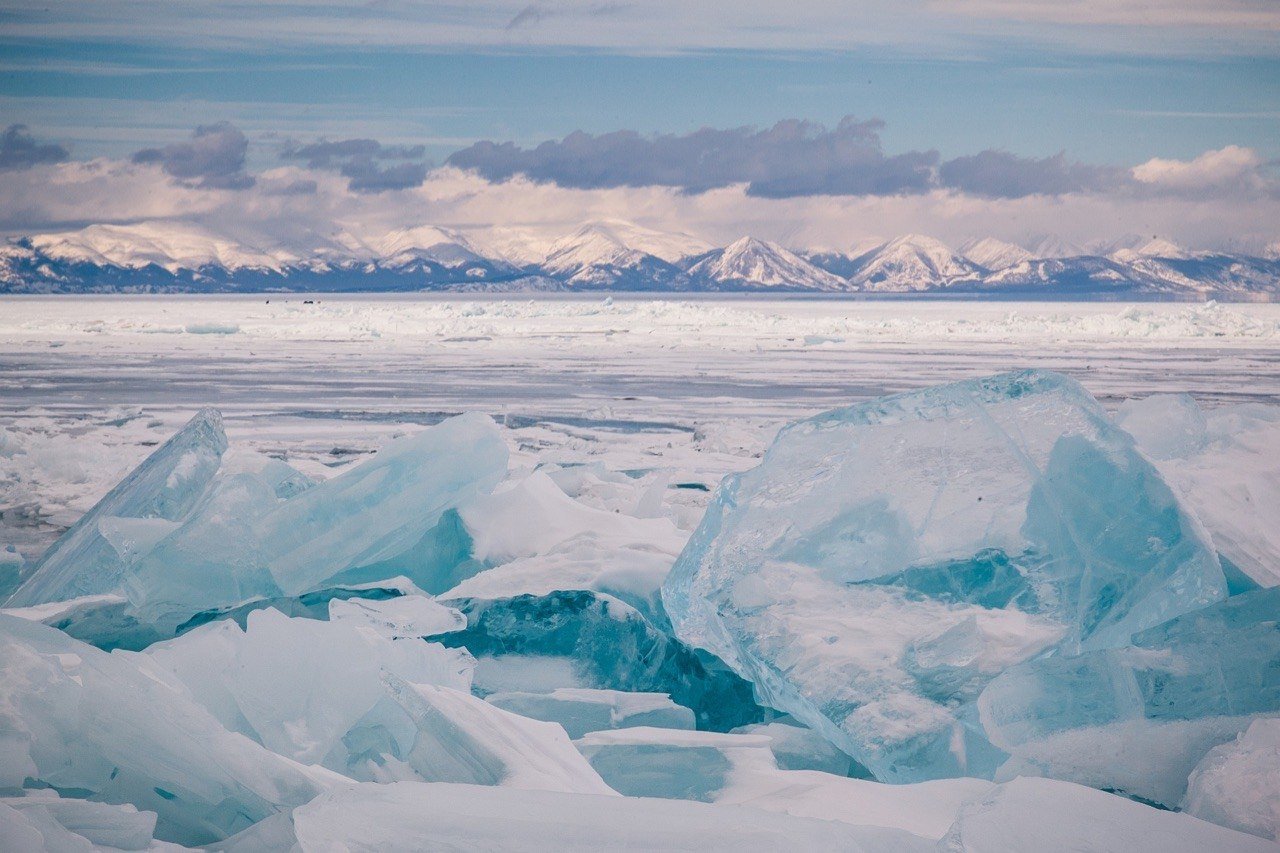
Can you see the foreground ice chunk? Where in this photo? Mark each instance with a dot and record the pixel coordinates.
(410, 817)
(46, 822)
(75, 718)
(1138, 719)
(244, 542)
(886, 560)
(165, 487)
(462, 739)
(1050, 816)
(581, 710)
(300, 686)
(1237, 784)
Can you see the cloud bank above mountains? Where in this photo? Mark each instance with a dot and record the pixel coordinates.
(797, 183)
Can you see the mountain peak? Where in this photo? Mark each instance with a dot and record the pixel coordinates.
(752, 262)
(994, 254)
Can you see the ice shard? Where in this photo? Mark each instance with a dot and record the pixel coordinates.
(109, 728)
(1138, 719)
(244, 542)
(1237, 784)
(885, 561)
(165, 487)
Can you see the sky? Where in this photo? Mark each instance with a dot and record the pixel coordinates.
(812, 122)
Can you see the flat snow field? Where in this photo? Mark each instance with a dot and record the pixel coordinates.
(691, 389)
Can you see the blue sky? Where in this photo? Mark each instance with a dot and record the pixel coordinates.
(1020, 116)
(1104, 93)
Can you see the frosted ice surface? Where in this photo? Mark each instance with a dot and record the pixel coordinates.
(244, 542)
(1237, 784)
(1225, 463)
(886, 560)
(106, 726)
(305, 688)
(1051, 816)
(582, 710)
(1166, 426)
(410, 816)
(1139, 718)
(165, 487)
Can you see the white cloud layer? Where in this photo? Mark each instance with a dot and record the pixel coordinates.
(1216, 200)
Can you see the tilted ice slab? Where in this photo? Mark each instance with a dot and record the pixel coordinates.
(243, 542)
(1138, 719)
(410, 817)
(581, 710)
(1237, 784)
(886, 560)
(109, 727)
(162, 490)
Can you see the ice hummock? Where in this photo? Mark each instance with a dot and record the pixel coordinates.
(885, 561)
(581, 710)
(163, 489)
(1237, 784)
(376, 520)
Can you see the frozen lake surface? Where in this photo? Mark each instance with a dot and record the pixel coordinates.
(693, 388)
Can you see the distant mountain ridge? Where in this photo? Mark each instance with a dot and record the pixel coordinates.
(612, 255)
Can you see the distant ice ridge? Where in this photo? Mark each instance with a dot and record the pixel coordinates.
(887, 562)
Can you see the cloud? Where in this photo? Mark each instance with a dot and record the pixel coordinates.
(18, 150)
(792, 158)
(999, 174)
(357, 160)
(1233, 168)
(213, 158)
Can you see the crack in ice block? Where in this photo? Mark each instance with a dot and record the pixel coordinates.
(582, 710)
(1138, 719)
(112, 728)
(885, 561)
(243, 542)
(165, 487)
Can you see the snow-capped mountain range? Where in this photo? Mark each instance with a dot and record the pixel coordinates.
(614, 256)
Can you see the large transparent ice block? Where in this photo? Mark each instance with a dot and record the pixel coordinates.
(886, 560)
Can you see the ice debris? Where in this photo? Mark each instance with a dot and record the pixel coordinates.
(885, 561)
(111, 728)
(376, 520)
(163, 489)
